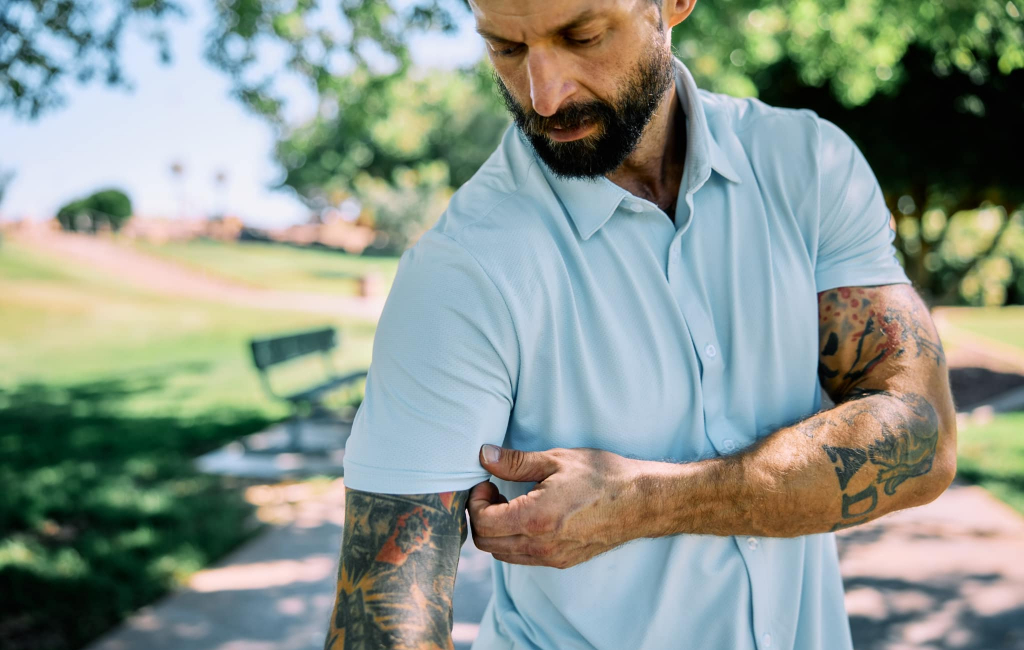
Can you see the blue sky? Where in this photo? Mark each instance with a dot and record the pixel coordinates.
(177, 112)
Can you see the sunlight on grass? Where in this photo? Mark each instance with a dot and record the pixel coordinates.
(992, 455)
(276, 266)
(1003, 324)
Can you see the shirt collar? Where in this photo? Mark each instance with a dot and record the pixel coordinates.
(590, 203)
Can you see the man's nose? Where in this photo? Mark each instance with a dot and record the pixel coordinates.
(549, 85)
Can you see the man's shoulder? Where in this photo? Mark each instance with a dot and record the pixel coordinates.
(500, 208)
(746, 116)
(782, 145)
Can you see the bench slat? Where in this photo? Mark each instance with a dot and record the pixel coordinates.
(270, 351)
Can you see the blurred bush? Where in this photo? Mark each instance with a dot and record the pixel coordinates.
(108, 208)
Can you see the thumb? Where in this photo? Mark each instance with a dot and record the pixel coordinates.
(516, 465)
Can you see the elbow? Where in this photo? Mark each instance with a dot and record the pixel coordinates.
(944, 463)
(942, 474)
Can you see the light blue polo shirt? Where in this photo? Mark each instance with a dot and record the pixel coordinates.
(542, 313)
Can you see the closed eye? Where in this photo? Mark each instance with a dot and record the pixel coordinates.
(509, 50)
(584, 41)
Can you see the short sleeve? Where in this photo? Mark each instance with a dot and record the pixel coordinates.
(855, 239)
(442, 378)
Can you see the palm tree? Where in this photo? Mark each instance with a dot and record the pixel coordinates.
(178, 172)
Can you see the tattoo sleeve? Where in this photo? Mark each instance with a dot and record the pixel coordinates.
(397, 572)
(882, 363)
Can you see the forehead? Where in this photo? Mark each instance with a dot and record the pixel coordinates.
(522, 19)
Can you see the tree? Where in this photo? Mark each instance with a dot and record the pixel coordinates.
(109, 207)
(44, 43)
(398, 149)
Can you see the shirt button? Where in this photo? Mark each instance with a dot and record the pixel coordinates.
(710, 351)
(767, 640)
(728, 444)
(636, 207)
(752, 545)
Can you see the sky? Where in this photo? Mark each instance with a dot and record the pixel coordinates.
(106, 137)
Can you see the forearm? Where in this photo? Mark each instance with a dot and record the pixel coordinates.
(838, 468)
(396, 577)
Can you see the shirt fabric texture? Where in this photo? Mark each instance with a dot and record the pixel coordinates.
(540, 313)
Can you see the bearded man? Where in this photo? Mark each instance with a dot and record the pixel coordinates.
(627, 319)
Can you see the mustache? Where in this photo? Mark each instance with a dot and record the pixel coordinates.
(569, 117)
(572, 116)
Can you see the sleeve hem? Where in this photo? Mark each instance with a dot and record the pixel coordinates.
(391, 481)
(827, 280)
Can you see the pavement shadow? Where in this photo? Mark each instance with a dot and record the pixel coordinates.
(937, 615)
(972, 386)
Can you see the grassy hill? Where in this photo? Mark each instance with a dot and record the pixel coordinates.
(276, 266)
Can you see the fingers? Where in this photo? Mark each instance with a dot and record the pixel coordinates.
(487, 492)
(492, 515)
(510, 545)
(516, 465)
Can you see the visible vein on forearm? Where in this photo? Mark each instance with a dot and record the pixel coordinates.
(397, 572)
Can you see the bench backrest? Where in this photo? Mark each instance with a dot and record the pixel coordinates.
(269, 351)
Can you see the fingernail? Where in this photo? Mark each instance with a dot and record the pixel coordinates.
(491, 453)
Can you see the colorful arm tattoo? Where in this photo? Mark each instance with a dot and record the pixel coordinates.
(396, 578)
(869, 335)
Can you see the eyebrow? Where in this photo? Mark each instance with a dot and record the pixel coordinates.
(584, 17)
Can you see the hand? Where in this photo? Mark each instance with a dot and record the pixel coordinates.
(585, 503)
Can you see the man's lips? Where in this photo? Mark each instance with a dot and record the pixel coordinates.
(568, 135)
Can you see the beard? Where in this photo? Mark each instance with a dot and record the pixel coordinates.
(619, 125)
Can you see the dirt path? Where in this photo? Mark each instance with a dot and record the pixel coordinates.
(169, 278)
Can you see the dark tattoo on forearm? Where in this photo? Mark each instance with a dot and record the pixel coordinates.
(397, 573)
(910, 435)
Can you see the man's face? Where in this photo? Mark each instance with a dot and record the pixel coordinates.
(593, 72)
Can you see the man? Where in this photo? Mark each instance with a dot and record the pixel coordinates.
(634, 301)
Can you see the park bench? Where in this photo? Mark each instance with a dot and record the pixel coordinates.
(272, 351)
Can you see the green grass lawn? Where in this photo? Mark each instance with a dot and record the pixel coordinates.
(1003, 324)
(277, 266)
(992, 455)
(106, 394)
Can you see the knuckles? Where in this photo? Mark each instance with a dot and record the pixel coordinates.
(539, 525)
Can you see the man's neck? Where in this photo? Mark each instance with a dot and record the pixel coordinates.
(655, 168)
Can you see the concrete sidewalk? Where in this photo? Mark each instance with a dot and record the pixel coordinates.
(945, 575)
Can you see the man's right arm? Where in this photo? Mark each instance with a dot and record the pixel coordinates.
(396, 577)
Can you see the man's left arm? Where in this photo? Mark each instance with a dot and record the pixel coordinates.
(889, 443)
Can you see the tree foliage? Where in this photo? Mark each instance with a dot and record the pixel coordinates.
(931, 90)
(105, 208)
(398, 147)
(43, 43)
